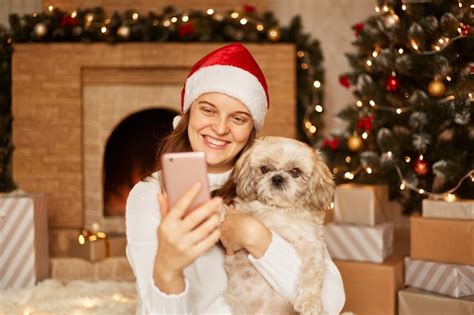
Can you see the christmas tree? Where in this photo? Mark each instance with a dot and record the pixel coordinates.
(410, 124)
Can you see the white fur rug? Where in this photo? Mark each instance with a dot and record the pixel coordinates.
(75, 297)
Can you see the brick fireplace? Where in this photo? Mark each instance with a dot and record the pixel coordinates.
(69, 98)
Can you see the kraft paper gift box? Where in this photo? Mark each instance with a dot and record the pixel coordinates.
(359, 243)
(24, 252)
(454, 280)
(372, 288)
(442, 240)
(360, 204)
(458, 209)
(97, 248)
(412, 301)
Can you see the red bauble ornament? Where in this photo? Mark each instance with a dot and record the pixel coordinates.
(358, 27)
(185, 29)
(392, 83)
(68, 21)
(421, 167)
(344, 81)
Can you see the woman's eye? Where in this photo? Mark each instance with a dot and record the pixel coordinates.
(295, 173)
(239, 120)
(264, 169)
(207, 110)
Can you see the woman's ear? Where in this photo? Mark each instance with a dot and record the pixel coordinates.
(322, 185)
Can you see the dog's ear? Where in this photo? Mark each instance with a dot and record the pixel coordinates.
(243, 176)
(322, 187)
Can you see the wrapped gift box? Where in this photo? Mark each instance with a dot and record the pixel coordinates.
(415, 302)
(360, 204)
(24, 254)
(442, 240)
(359, 243)
(97, 248)
(372, 288)
(454, 280)
(459, 209)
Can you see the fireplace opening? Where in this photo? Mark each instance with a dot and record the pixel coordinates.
(130, 154)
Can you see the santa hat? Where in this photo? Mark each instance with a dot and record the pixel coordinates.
(233, 71)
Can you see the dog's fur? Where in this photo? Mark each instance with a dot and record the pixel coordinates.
(294, 209)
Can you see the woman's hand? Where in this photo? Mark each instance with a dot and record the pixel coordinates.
(243, 231)
(183, 238)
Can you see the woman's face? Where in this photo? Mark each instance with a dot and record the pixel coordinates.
(219, 126)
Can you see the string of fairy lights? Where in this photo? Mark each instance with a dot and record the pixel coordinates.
(313, 104)
(438, 89)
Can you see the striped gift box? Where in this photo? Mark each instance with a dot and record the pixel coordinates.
(359, 243)
(453, 280)
(24, 255)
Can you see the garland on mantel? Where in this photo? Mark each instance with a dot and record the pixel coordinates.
(93, 25)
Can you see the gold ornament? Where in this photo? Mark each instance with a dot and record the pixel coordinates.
(436, 88)
(355, 143)
(391, 20)
(123, 32)
(274, 34)
(40, 30)
(89, 17)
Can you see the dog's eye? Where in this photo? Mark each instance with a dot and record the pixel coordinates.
(264, 169)
(295, 173)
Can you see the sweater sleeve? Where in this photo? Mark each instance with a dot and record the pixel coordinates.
(280, 265)
(142, 221)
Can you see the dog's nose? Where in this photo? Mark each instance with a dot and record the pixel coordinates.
(277, 180)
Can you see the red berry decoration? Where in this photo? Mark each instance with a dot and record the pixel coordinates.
(365, 123)
(358, 27)
(421, 167)
(465, 29)
(332, 144)
(249, 8)
(344, 81)
(392, 83)
(185, 29)
(68, 21)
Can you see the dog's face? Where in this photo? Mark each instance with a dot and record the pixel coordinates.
(285, 173)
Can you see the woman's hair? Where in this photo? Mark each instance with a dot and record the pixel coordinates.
(176, 141)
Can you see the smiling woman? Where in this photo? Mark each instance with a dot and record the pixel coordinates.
(174, 253)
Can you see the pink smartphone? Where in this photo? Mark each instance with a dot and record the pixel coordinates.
(180, 172)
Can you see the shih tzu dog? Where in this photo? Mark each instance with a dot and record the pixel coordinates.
(286, 185)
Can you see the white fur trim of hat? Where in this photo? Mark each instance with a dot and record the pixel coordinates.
(233, 82)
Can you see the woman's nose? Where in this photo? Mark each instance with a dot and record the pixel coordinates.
(220, 126)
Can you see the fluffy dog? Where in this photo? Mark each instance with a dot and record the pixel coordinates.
(286, 185)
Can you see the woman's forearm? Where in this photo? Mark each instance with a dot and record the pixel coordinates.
(258, 244)
(169, 282)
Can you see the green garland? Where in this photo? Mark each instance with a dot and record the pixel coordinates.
(93, 25)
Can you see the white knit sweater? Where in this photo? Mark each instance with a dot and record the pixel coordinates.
(205, 279)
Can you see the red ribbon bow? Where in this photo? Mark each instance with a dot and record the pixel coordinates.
(365, 123)
(332, 144)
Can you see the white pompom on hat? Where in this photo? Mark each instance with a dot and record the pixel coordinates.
(233, 71)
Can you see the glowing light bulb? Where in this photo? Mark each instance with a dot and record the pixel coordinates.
(317, 84)
(234, 15)
(398, 111)
(359, 103)
(210, 11)
(365, 135)
(402, 185)
(243, 21)
(372, 103)
(450, 197)
(348, 159)
(185, 18)
(318, 108)
(369, 170)
(349, 175)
